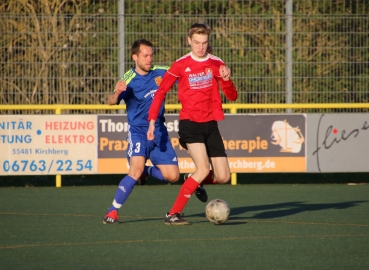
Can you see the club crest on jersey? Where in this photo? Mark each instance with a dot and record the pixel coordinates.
(208, 71)
(158, 80)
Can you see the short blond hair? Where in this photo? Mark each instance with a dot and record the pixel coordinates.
(200, 29)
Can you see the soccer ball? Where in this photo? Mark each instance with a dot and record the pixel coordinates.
(217, 211)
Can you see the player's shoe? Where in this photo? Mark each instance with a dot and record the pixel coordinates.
(142, 179)
(111, 218)
(200, 192)
(175, 219)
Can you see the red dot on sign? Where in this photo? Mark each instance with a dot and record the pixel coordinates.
(335, 131)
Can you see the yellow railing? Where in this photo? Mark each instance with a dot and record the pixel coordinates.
(58, 108)
(232, 107)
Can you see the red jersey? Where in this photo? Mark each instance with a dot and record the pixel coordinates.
(198, 90)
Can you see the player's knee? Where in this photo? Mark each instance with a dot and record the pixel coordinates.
(223, 178)
(135, 174)
(172, 177)
(223, 181)
(172, 180)
(203, 172)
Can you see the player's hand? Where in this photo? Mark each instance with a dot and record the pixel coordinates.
(225, 73)
(150, 131)
(114, 96)
(120, 87)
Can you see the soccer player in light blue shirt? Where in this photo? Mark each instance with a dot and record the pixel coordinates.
(137, 88)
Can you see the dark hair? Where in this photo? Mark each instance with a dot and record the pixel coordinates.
(137, 44)
(199, 28)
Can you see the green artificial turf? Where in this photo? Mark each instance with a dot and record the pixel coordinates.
(317, 226)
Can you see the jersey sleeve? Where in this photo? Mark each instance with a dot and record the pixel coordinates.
(127, 77)
(228, 89)
(159, 97)
(175, 69)
(124, 94)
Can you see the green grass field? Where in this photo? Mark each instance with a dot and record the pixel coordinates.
(318, 226)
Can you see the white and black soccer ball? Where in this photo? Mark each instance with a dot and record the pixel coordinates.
(217, 211)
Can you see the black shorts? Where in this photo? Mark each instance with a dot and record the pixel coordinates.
(207, 133)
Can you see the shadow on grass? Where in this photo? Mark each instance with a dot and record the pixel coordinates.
(141, 219)
(284, 209)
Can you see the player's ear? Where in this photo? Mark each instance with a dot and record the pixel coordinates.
(134, 57)
(189, 40)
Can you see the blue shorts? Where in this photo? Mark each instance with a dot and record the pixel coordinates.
(160, 150)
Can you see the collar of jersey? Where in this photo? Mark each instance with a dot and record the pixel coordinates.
(199, 60)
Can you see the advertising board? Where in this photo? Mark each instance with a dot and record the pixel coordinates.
(47, 144)
(338, 142)
(254, 143)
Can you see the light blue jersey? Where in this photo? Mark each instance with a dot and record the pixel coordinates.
(140, 93)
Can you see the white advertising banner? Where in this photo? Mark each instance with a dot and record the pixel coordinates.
(48, 144)
(338, 142)
(96, 144)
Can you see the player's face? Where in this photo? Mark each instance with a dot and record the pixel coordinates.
(143, 60)
(199, 45)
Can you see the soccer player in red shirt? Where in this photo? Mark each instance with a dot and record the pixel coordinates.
(198, 74)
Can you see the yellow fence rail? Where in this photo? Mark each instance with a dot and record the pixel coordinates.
(233, 108)
(58, 108)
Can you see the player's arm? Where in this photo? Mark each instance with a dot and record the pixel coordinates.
(113, 98)
(159, 97)
(150, 131)
(226, 83)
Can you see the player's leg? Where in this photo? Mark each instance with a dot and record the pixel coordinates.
(218, 157)
(136, 155)
(192, 135)
(200, 192)
(216, 152)
(161, 152)
(170, 173)
(125, 188)
(164, 158)
(221, 170)
(163, 172)
(191, 139)
(198, 154)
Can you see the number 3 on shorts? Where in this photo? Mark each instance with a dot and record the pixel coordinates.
(137, 148)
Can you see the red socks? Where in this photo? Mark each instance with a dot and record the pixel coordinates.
(188, 187)
(209, 180)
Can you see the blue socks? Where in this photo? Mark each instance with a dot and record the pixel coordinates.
(126, 185)
(124, 189)
(154, 172)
